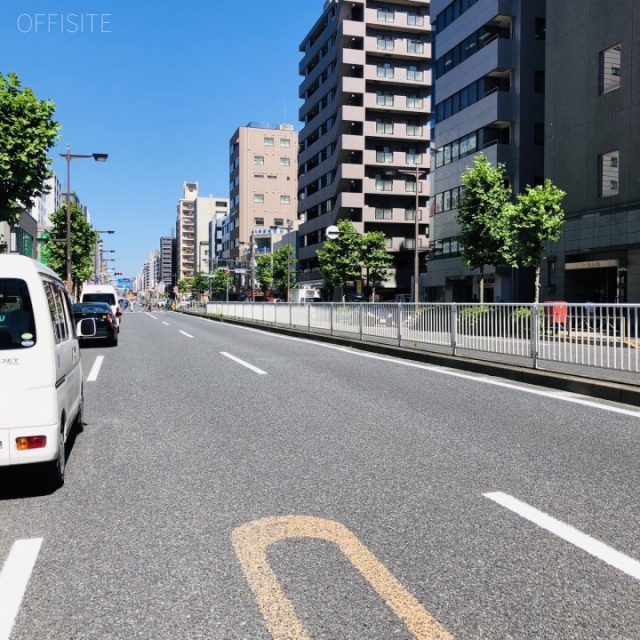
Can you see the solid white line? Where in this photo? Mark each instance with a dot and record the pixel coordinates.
(243, 363)
(14, 579)
(95, 370)
(184, 333)
(165, 323)
(581, 540)
(557, 395)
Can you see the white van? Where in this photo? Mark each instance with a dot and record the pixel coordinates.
(41, 392)
(103, 293)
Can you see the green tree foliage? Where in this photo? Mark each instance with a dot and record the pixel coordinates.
(537, 217)
(284, 260)
(27, 132)
(483, 215)
(271, 270)
(340, 259)
(199, 283)
(84, 239)
(221, 281)
(263, 272)
(183, 285)
(375, 259)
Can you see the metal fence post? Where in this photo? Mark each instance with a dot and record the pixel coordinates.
(330, 319)
(453, 319)
(400, 321)
(535, 331)
(360, 321)
(290, 316)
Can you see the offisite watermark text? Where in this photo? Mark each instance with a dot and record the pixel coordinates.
(64, 23)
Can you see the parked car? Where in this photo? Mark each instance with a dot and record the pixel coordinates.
(102, 315)
(103, 293)
(40, 368)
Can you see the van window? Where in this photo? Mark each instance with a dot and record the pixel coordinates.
(59, 320)
(109, 298)
(17, 326)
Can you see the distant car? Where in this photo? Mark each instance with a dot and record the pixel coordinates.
(102, 315)
(103, 293)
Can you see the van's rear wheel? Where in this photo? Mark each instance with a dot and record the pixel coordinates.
(57, 467)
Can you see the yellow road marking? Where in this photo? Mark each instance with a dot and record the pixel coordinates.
(251, 541)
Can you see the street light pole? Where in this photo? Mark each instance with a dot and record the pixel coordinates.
(289, 228)
(416, 254)
(98, 157)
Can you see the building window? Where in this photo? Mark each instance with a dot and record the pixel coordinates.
(384, 154)
(413, 157)
(538, 133)
(414, 129)
(414, 19)
(384, 125)
(609, 174)
(385, 43)
(383, 183)
(385, 70)
(258, 197)
(540, 29)
(384, 99)
(285, 162)
(259, 222)
(610, 61)
(409, 243)
(386, 15)
(414, 102)
(538, 82)
(284, 199)
(268, 142)
(410, 185)
(258, 159)
(414, 74)
(285, 142)
(410, 214)
(383, 213)
(278, 222)
(415, 46)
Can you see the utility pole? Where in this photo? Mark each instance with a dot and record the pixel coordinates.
(289, 228)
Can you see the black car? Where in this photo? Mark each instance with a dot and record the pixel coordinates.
(102, 314)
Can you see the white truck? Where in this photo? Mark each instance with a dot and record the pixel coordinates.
(303, 295)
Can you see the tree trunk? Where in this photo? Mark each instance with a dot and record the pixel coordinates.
(537, 284)
(481, 284)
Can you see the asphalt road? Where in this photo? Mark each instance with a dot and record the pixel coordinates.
(234, 484)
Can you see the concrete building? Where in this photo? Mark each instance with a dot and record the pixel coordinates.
(364, 144)
(489, 67)
(207, 211)
(186, 232)
(591, 149)
(263, 162)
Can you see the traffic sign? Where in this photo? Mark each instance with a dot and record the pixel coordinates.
(332, 232)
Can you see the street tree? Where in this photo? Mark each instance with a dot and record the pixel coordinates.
(284, 262)
(84, 239)
(340, 259)
(263, 272)
(27, 132)
(221, 281)
(375, 259)
(485, 234)
(183, 285)
(199, 283)
(536, 218)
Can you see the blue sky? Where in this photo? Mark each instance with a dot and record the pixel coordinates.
(160, 87)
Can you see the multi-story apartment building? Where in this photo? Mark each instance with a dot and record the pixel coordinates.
(216, 225)
(489, 68)
(591, 130)
(364, 145)
(186, 232)
(263, 170)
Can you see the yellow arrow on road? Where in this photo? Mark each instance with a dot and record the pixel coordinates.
(251, 541)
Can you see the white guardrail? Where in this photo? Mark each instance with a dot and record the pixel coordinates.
(601, 336)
